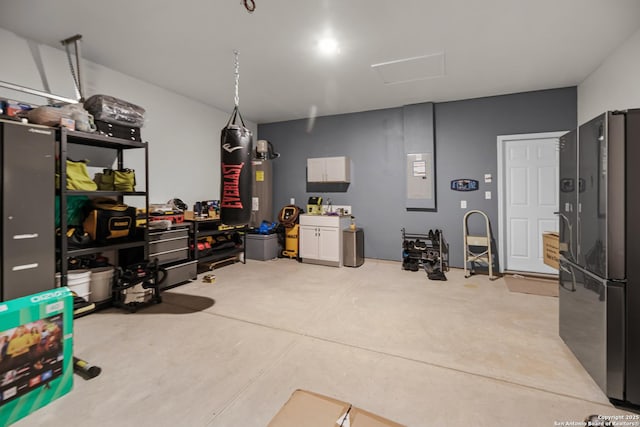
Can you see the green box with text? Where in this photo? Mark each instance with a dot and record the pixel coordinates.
(36, 352)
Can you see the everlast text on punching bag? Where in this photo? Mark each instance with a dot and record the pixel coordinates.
(235, 184)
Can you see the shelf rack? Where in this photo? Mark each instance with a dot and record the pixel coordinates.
(429, 251)
(200, 228)
(64, 138)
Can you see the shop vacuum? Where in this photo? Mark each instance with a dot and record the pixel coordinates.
(288, 217)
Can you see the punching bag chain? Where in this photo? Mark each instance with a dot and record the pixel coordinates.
(237, 66)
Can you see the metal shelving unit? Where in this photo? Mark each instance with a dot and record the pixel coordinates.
(64, 138)
(210, 227)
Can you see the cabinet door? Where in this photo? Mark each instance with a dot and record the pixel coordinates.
(337, 169)
(329, 244)
(28, 252)
(308, 242)
(315, 170)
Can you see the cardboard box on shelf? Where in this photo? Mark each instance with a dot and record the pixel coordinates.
(550, 249)
(309, 409)
(191, 216)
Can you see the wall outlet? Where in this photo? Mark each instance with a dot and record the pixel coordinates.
(463, 204)
(487, 195)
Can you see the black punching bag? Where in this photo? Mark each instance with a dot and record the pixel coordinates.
(235, 186)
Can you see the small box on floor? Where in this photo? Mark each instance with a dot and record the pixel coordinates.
(305, 408)
(36, 362)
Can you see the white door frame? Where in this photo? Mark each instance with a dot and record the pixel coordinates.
(503, 140)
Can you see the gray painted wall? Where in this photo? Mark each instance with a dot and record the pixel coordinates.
(465, 147)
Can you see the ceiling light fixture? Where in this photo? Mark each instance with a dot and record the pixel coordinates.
(328, 46)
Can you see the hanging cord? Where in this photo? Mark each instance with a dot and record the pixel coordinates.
(250, 5)
(237, 72)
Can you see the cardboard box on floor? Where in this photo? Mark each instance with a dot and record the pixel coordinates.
(308, 409)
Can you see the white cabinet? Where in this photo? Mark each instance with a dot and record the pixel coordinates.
(328, 169)
(315, 170)
(329, 244)
(321, 239)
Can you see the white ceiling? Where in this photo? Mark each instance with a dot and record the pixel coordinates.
(491, 47)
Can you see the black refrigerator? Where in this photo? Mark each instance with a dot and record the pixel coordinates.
(599, 225)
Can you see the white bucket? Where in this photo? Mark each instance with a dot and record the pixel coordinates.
(77, 281)
(101, 281)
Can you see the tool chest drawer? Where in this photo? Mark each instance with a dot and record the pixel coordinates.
(180, 273)
(169, 246)
(170, 256)
(159, 246)
(160, 235)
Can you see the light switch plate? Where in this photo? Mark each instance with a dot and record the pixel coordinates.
(487, 195)
(463, 204)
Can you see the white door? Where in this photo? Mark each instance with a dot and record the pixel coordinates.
(329, 245)
(528, 198)
(308, 242)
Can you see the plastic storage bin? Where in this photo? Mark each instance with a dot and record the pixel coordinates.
(262, 246)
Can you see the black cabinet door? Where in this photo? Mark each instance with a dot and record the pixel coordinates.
(28, 226)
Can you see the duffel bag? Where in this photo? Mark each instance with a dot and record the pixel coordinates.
(109, 220)
(116, 111)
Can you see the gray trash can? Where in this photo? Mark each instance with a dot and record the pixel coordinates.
(353, 250)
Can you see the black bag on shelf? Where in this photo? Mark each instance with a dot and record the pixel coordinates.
(109, 220)
(114, 110)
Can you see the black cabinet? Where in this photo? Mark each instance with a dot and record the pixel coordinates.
(28, 190)
(88, 144)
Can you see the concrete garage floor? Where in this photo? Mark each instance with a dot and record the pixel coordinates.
(465, 352)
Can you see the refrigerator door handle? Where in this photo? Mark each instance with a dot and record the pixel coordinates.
(573, 279)
(566, 220)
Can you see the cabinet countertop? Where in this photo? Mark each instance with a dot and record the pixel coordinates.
(324, 220)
